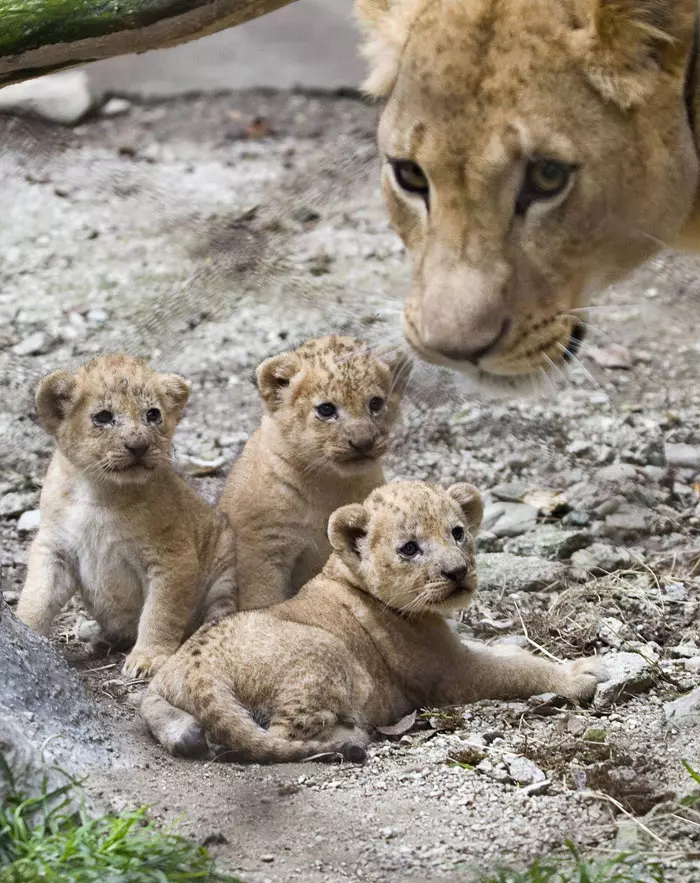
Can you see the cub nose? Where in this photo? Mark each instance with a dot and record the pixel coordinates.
(362, 445)
(455, 574)
(137, 448)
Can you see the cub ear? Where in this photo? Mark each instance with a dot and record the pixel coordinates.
(177, 391)
(273, 375)
(469, 499)
(53, 397)
(629, 42)
(386, 25)
(346, 527)
(400, 364)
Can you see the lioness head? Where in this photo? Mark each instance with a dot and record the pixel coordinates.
(533, 151)
(114, 418)
(412, 545)
(334, 401)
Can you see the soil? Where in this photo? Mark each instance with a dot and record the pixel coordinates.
(206, 233)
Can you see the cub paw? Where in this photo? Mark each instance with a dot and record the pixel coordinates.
(581, 677)
(143, 663)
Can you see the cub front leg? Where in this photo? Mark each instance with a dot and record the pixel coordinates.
(51, 582)
(263, 575)
(512, 673)
(171, 597)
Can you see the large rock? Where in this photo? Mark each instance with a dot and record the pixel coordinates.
(60, 98)
(685, 711)
(628, 674)
(42, 701)
(600, 559)
(513, 573)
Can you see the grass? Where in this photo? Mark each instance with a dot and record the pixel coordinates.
(46, 839)
(621, 869)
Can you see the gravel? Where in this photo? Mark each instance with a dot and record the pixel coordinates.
(135, 231)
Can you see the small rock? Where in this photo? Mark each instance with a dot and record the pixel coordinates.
(14, 504)
(626, 520)
(600, 559)
(607, 507)
(509, 519)
(89, 631)
(61, 98)
(267, 858)
(684, 651)
(578, 448)
(536, 788)
(676, 593)
(692, 665)
(97, 316)
(681, 456)
(616, 473)
(613, 355)
(116, 107)
(522, 770)
(685, 711)
(628, 673)
(511, 492)
(33, 345)
(11, 598)
(549, 541)
(29, 521)
(500, 571)
(576, 518)
(613, 631)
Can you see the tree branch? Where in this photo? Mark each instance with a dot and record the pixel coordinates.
(40, 36)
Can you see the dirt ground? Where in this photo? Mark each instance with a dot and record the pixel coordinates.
(207, 233)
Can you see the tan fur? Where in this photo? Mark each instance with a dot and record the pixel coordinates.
(475, 91)
(296, 469)
(363, 644)
(150, 558)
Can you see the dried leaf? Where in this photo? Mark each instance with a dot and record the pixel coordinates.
(546, 501)
(195, 466)
(614, 355)
(401, 727)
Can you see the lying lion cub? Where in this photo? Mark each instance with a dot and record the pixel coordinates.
(363, 644)
(148, 555)
(330, 405)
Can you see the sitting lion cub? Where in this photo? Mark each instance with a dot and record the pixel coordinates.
(329, 408)
(363, 644)
(148, 555)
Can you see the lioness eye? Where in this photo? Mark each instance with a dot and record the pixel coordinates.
(103, 418)
(326, 410)
(153, 415)
(544, 179)
(409, 549)
(376, 404)
(458, 533)
(410, 176)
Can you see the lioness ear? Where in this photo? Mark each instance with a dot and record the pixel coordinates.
(273, 375)
(630, 41)
(386, 25)
(346, 527)
(177, 391)
(52, 398)
(469, 499)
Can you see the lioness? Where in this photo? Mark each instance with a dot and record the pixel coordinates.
(150, 558)
(361, 645)
(534, 151)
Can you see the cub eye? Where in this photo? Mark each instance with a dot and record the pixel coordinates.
(409, 549)
(326, 410)
(103, 418)
(544, 179)
(458, 533)
(153, 415)
(410, 177)
(376, 405)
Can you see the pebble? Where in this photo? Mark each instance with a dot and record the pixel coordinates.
(599, 559)
(11, 598)
(29, 521)
(682, 456)
(578, 448)
(61, 98)
(691, 665)
(97, 316)
(115, 107)
(628, 673)
(33, 345)
(685, 711)
(522, 770)
(513, 573)
(509, 519)
(14, 504)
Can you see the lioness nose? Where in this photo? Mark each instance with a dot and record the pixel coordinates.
(137, 448)
(481, 344)
(456, 574)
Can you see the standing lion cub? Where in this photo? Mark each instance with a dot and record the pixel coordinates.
(363, 644)
(329, 407)
(150, 558)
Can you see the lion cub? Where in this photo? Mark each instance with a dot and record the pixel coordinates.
(362, 644)
(329, 408)
(150, 558)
